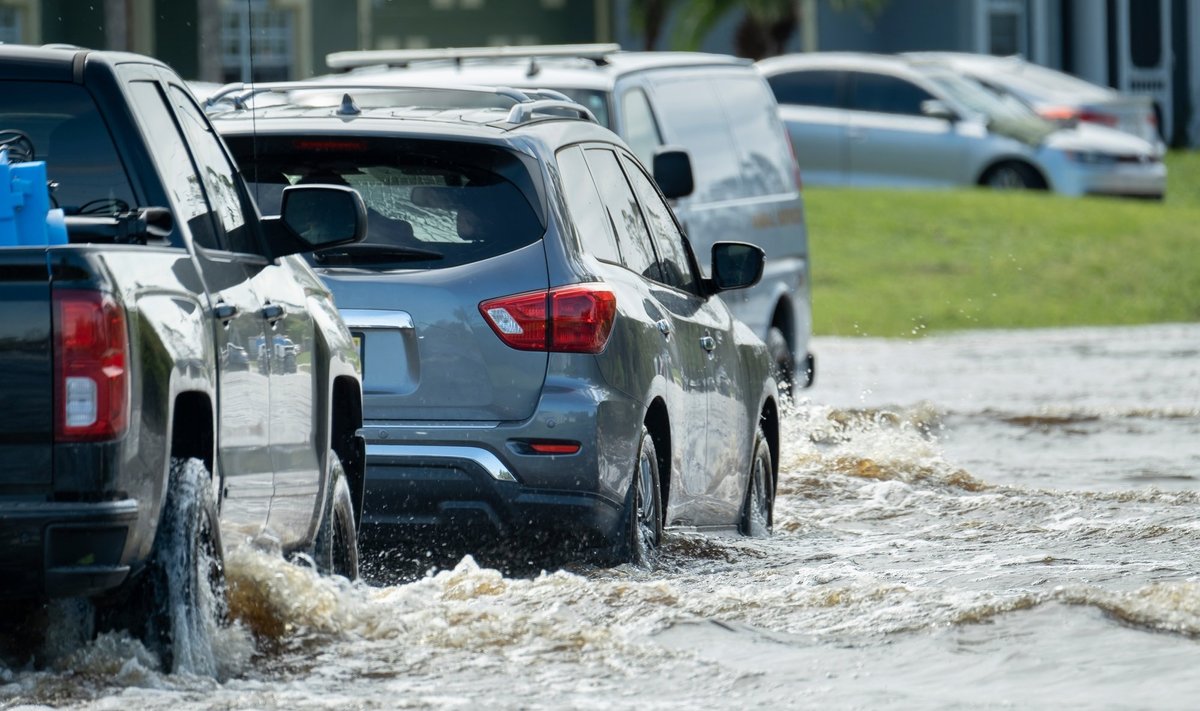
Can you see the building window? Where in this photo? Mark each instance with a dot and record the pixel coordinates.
(1145, 34)
(11, 25)
(257, 42)
(1007, 30)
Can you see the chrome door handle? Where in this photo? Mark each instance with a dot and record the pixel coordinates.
(272, 312)
(664, 327)
(708, 343)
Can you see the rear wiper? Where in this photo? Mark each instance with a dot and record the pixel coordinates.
(372, 253)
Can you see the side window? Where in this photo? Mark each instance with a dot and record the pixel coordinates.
(815, 88)
(220, 177)
(174, 162)
(640, 128)
(673, 261)
(886, 94)
(636, 251)
(587, 212)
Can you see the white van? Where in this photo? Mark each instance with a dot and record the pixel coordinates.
(740, 181)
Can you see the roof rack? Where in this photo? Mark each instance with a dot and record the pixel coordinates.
(525, 103)
(403, 57)
(525, 111)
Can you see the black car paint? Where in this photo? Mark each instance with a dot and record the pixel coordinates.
(81, 518)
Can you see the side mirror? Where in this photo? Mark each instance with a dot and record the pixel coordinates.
(933, 108)
(736, 265)
(315, 217)
(673, 172)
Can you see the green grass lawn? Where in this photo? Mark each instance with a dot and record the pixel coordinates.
(905, 263)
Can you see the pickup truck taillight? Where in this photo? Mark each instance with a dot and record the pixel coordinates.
(566, 319)
(91, 376)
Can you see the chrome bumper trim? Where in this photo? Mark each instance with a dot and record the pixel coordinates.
(490, 462)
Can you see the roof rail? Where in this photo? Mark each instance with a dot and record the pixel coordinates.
(239, 94)
(525, 111)
(403, 57)
(525, 102)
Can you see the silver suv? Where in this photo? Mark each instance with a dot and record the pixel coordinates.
(541, 352)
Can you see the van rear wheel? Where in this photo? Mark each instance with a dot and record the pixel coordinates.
(783, 364)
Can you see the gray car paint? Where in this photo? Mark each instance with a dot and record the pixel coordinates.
(713, 400)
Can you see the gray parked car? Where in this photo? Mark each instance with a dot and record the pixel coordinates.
(1054, 95)
(876, 120)
(541, 353)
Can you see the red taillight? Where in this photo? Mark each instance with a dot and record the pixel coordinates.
(91, 379)
(1097, 117)
(1068, 113)
(567, 319)
(795, 163)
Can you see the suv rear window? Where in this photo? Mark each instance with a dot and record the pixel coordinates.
(430, 204)
(64, 129)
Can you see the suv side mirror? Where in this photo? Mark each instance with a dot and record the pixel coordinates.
(736, 265)
(934, 108)
(315, 217)
(673, 172)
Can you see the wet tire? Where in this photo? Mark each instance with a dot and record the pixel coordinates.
(1013, 176)
(184, 584)
(335, 549)
(758, 508)
(783, 364)
(642, 530)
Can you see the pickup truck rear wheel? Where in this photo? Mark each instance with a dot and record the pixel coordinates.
(185, 580)
(335, 549)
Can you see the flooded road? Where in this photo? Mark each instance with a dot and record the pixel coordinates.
(984, 520)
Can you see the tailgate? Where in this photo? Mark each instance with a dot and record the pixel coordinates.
(428, 354)
(26, 372)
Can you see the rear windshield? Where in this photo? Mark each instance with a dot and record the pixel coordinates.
(58, 123)
(430, 204)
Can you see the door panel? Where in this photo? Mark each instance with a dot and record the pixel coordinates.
(243, 452)
(890, 142)
(296, 444)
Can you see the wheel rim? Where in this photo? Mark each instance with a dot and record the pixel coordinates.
(759, 523)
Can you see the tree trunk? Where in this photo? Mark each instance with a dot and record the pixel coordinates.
(116, 25)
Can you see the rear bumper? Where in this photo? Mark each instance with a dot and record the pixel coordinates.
(1146, 180)
(52, 550)
(482, 482)
(416, 490)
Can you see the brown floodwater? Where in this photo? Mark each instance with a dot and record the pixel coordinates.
(985, 520)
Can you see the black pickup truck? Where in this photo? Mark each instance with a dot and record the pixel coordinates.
(143, 428)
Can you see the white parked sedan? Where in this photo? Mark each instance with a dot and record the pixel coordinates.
(877, 120)
(1054, 95)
